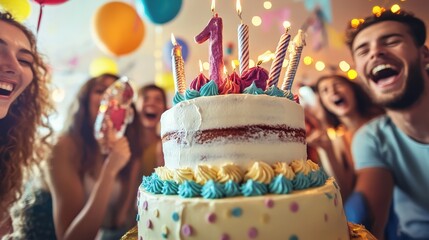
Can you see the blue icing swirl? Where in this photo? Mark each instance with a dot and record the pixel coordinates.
(324, 174)
(253, 188)
(280, 185)
(191, 94)
(170, 188)
(232, 189)
(289, 95)
(156, 185)
(212, 190)
(189, 189)
(275, 91)
(146, 182)
(209, 89)
(253, 89)
(178, 98)
(301, 182)
(316, 178)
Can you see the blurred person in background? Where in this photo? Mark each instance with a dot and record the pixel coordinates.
(151, 103)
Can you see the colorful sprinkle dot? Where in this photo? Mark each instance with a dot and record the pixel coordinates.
(141, 238)
(211, 217)
(236, 212)
(265, 218)
(293, 237)
(155, 213)
(187, 230)
(145, 205)
(326, 217)
(224, 237)
(294, 207)
(137, 217)
(175, 216)
(269, 203)
(252, 233)
(164, 235)
(149, 224)
(164, 231)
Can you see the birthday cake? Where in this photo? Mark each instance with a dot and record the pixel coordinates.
(236, 165)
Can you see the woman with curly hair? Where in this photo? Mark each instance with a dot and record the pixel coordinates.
(94, 193)
(24, 109)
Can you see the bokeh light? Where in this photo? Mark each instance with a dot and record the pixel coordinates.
(320, 66)
(395, 8)
(256, 21)
(352, 74)
(308, 60)
(268, 5)
(344, 66)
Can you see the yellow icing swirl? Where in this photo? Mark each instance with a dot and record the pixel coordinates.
(300, 166)
(313, 165)
(183, 174)
(203, 173)
(283, 169)
(228, 172)
(260, 172)
(164, 173)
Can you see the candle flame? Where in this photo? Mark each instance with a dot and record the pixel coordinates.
(213, 5)
(201, 66)
(286, 24)
(233, 65)
(265, 57)
(224, 70)
(238, 7)
(173, 39)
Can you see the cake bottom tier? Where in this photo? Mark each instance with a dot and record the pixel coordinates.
(315, 213)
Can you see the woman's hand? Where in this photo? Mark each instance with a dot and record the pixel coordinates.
(119, 156)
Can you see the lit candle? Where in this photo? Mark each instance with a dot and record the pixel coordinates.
(276, 65)
(243, 42)
(178, 66)
(295, 50)
(200, 80)
(213, 33)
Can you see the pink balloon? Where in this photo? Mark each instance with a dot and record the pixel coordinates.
(50, 2)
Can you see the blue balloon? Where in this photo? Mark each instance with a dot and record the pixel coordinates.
(159, 11)
(168, 47)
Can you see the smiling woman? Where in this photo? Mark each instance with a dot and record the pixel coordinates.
(24, 108)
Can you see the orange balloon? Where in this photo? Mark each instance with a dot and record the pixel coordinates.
(117, 28)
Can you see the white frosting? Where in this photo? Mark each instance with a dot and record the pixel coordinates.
(229, 111)
(307, 214)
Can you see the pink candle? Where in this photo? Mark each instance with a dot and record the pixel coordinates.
(213, 33)
(243, 42)
(178, 67)
(276, 65)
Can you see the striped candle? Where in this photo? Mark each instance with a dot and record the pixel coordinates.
(243, 42)
(276, 65)
(297, 45)
(178, 67)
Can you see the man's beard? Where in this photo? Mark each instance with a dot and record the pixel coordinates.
(414, 87)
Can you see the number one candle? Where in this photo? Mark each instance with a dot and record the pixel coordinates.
(243, 42)
(276, 65)
(213, 32)
(178, 66)
(297, 45)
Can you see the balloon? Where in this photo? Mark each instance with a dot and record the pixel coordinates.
(165, 81)
(117, 28)
(102, 65)
(51, 2)
(168, 46)
(20, 9)
(160, 11)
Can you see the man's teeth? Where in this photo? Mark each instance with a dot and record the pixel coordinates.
(380, 68)
(6, 86)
